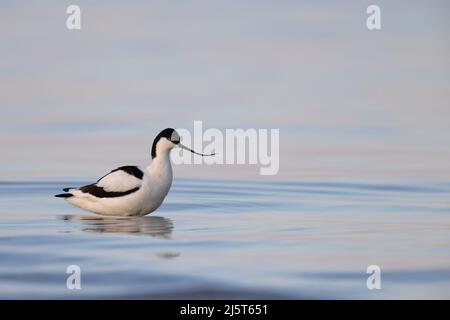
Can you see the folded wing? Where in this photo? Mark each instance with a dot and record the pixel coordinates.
(119, 182)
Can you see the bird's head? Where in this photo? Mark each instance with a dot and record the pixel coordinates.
(168, 139)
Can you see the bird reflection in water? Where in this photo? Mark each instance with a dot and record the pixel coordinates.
(158, 227)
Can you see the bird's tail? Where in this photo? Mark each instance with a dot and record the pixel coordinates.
(64, 195)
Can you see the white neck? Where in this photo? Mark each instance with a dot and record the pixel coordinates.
(160, 179)
(161, 166)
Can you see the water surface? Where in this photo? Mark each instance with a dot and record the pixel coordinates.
(232, 239)
(364, 122)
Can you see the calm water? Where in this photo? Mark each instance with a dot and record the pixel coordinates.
(364, 120)
(232, 239)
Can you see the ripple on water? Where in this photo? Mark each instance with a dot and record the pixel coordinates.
(230, 239)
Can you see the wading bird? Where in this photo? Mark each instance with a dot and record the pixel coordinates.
(131, 190)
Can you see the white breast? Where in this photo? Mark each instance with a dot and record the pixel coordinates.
(156, 184)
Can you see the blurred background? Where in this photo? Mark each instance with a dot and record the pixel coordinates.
(351, 104)
(364, 120)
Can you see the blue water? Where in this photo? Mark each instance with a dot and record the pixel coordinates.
(232, 239)
(364, 122)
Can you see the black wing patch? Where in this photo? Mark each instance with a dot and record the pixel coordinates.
(131, 170)
(99, 192)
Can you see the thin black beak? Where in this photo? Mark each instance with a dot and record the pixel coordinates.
(200, 154)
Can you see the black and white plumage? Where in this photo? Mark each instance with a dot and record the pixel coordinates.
(130, 190)
(119, 182)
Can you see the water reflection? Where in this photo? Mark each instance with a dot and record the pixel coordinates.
(158, 227)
